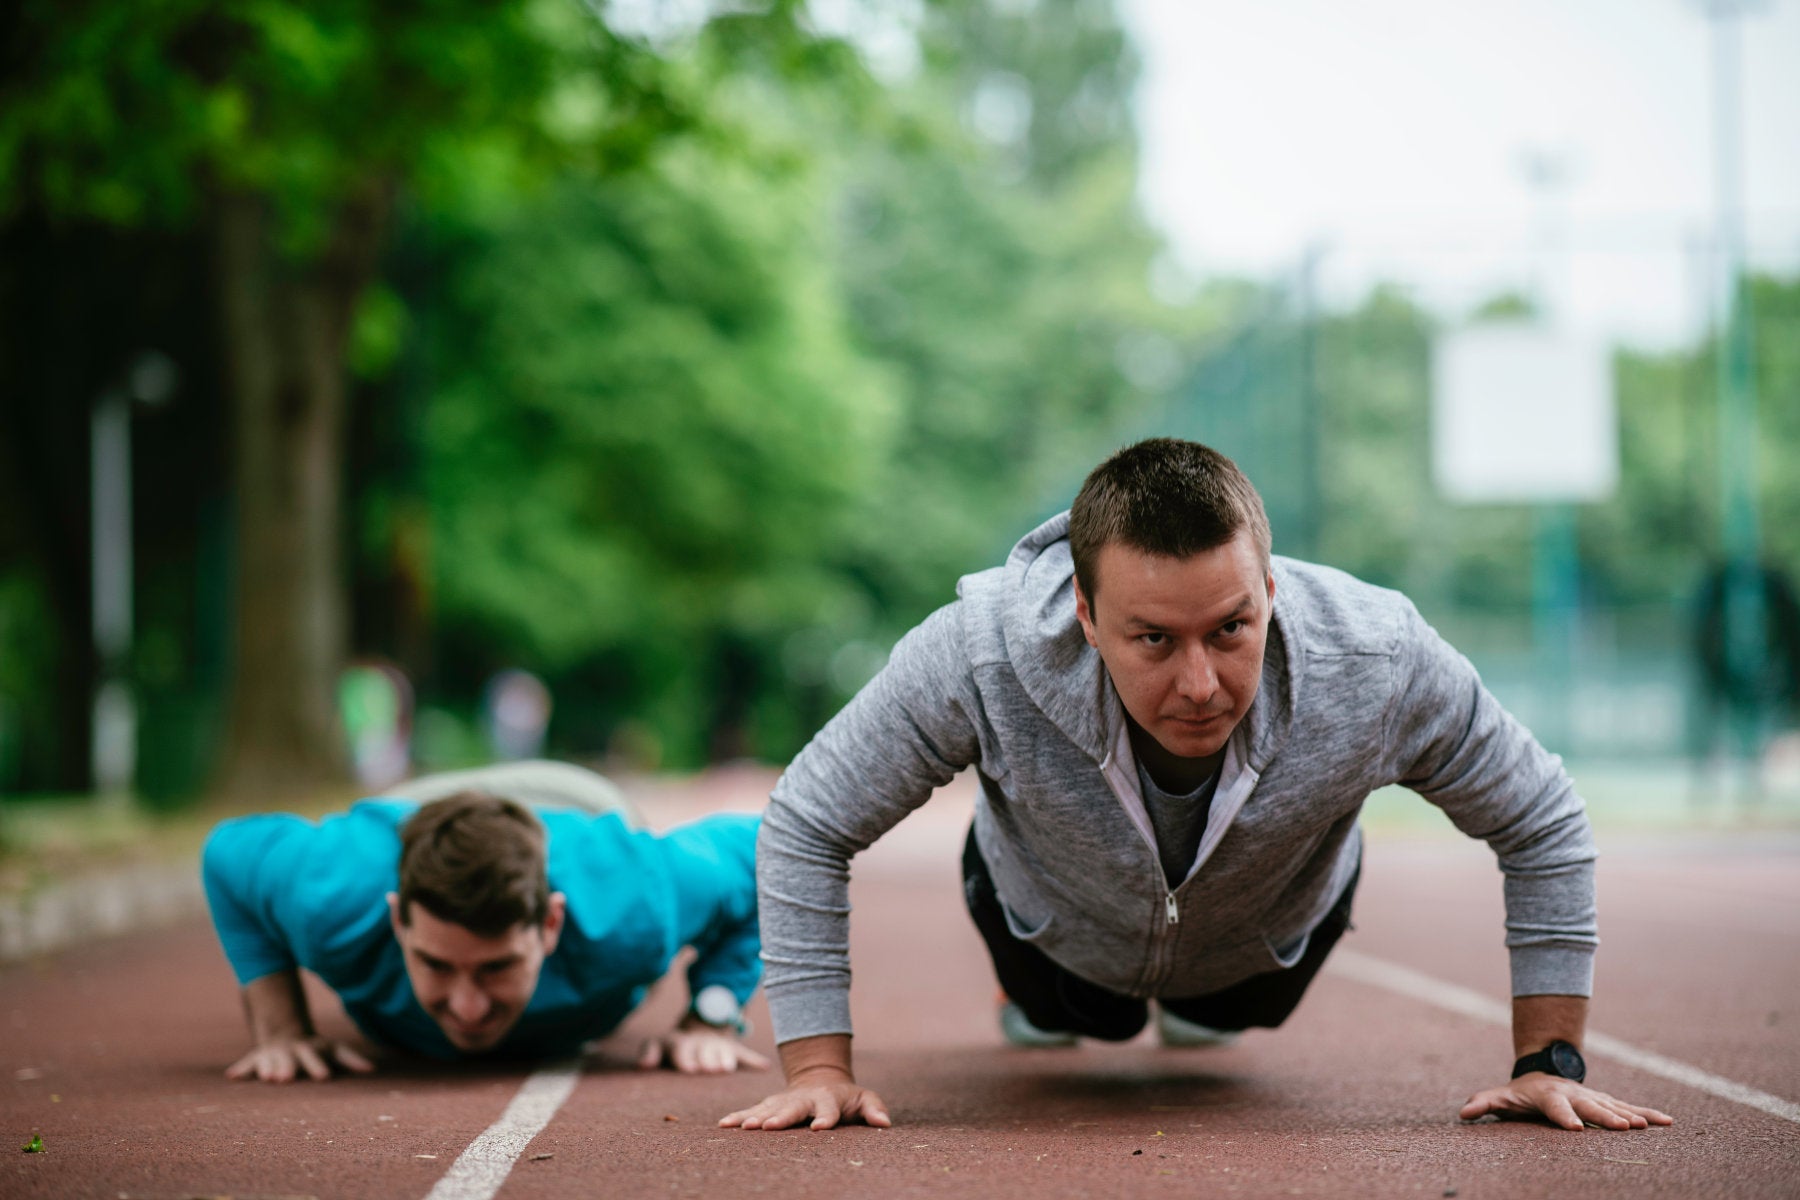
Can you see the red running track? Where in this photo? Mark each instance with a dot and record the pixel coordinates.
(113, 1054)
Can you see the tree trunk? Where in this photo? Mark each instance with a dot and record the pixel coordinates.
(287, 326)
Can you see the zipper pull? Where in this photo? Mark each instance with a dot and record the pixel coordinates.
(1174, 915)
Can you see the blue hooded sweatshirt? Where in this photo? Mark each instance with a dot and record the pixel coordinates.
(286, 892)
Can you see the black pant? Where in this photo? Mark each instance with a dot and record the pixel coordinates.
(1056, 1000)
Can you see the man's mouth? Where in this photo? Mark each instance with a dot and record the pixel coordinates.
(476, 1032)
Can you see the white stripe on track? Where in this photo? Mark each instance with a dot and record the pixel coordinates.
(1380, 973)
(479, 1171)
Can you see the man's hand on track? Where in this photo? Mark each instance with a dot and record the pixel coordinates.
(827, 1102)
(282, 1059)
(1562, 1102)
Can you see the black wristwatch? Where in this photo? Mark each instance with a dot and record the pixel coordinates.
(1558, 1058)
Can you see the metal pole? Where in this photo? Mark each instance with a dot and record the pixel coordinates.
(1556, 542)
(1556, 603)
(1745, 620)
(114, 746)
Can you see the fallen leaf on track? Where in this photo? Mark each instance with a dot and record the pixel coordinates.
(35, 1145)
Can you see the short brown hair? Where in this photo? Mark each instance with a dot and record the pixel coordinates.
(475, 860)
(1166, 497)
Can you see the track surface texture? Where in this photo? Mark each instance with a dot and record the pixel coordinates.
(114, 1053)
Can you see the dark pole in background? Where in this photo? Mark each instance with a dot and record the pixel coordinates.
(151, 380)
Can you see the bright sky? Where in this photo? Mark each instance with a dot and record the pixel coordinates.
(1392, 134)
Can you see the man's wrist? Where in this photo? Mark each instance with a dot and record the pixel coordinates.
(822, 1059)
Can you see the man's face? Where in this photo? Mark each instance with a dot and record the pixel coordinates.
(1182, 638)
(474, 987)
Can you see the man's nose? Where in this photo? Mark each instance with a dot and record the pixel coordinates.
(468, 1003)
(1197, 680)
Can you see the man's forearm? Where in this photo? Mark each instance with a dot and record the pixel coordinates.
(276, 1007)
(824, 1058)
(1540, 1020)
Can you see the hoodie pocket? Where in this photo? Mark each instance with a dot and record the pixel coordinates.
(1287, 951)
(1023, 929)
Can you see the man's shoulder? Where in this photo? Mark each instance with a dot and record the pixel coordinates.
(1333, 612)
(330, 866)
(375, 821)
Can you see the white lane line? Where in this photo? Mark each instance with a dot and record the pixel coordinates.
(1380, 973)
(479, 1171)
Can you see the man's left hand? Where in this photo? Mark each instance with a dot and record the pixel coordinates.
(1561, 1102)
(696, 1049)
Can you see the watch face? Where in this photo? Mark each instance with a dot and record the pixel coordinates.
(716, 1005)
(1567, 1061)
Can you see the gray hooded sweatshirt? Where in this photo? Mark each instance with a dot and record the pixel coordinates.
(1357, 692)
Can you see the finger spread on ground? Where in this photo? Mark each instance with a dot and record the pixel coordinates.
(313, 1064)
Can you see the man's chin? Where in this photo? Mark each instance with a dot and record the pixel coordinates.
(1196, 739)
(478, 1042)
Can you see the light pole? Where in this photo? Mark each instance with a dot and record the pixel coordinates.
(1549, 173)
(150, 379)
(1744, 618)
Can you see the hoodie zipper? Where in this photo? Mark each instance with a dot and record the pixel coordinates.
(1162, 938)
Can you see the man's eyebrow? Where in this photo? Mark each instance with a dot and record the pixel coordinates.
(1244, 605)
(1247, 604)
(495, 964)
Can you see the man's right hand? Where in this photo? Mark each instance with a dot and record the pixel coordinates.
(821, 1091)
(826, 1103)
(281, 1059)
(282, 1028)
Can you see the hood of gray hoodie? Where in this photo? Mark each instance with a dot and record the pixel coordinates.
(1066, 679)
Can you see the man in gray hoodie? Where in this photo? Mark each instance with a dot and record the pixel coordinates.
(1174, 733)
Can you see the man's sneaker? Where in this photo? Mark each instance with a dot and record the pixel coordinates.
(1021, 1032)
(1176, 1032)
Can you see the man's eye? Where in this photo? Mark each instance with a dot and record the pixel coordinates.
(1231, 628)
(1153, 639)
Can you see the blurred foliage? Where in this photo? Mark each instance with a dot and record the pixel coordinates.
(698, 441)
(1378, 512)
(710, 344)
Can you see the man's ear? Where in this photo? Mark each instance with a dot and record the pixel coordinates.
(393, 899)
(1271, 590)
(1084, 612)
(554, 913)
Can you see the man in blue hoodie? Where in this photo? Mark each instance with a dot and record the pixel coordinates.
(1174, 732)
(474, 923)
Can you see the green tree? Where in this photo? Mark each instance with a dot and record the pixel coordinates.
(286, 132)
(647, 421)
(699, 443)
